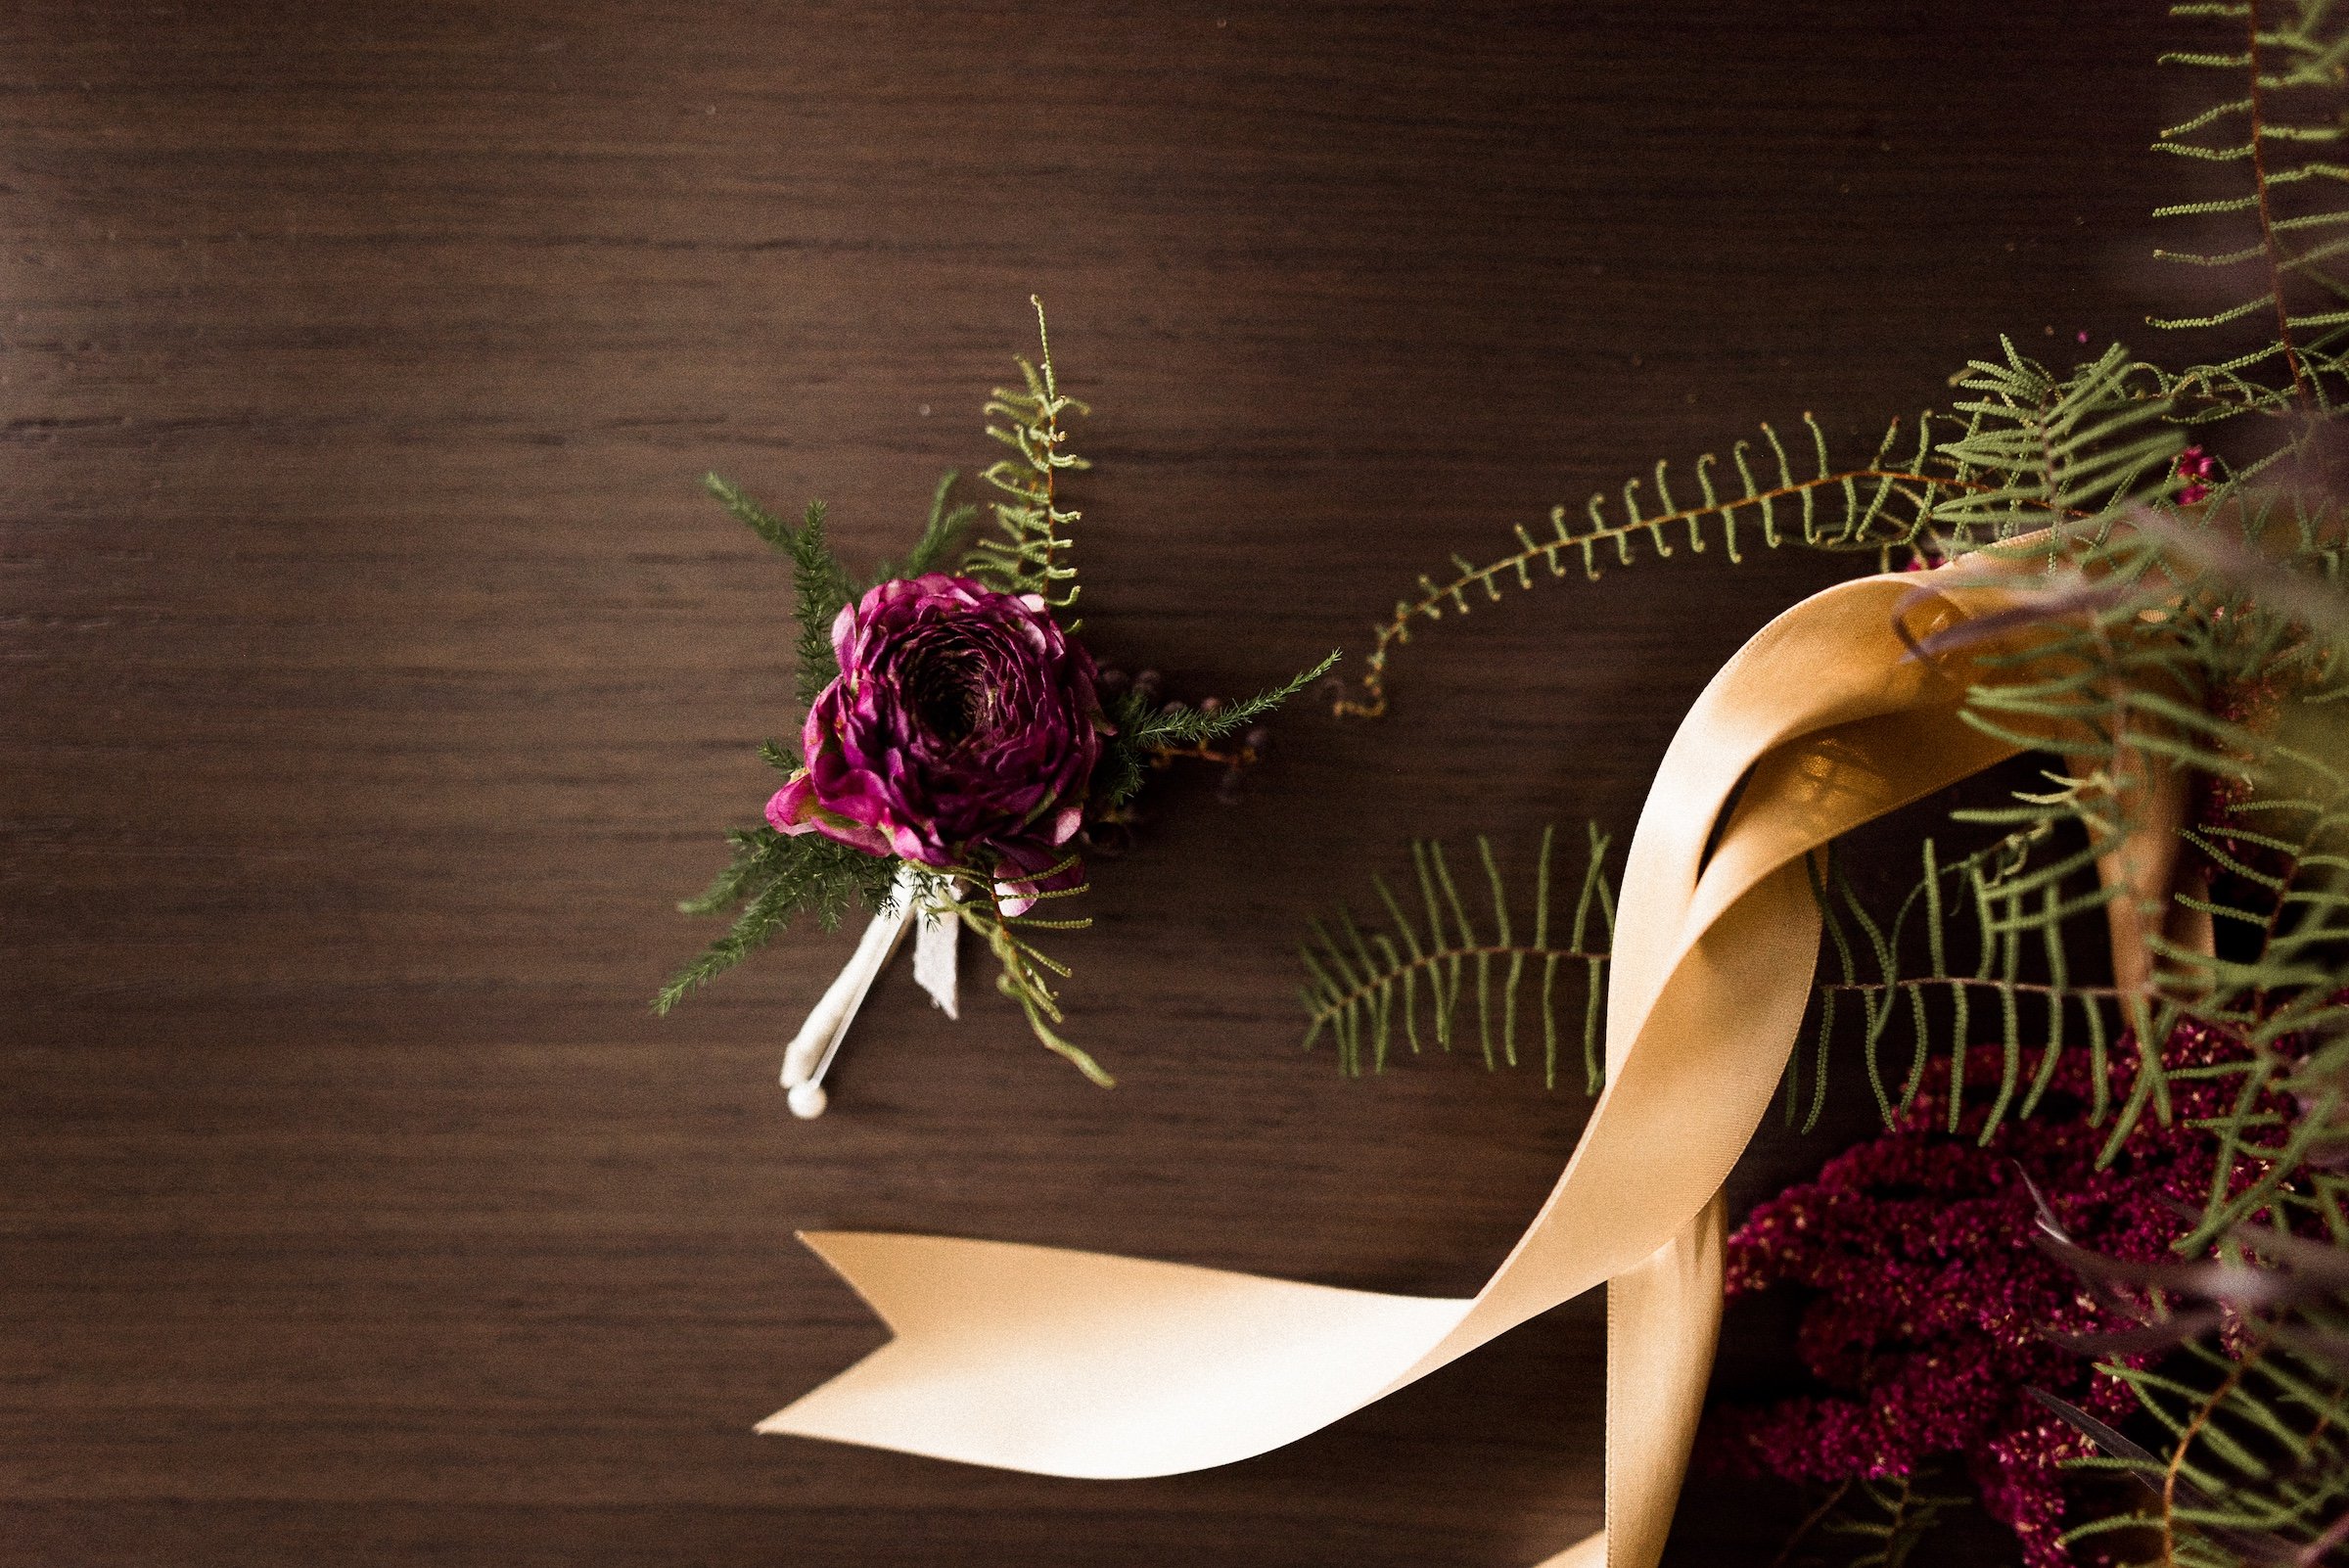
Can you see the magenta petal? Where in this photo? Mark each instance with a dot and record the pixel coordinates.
(907, 844)
(855, 834)
(788, 811)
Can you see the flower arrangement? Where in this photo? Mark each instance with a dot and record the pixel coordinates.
(961, 750)
(2104, 1232)
(2106, 1227)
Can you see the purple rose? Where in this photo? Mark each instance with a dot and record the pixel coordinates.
(964, 722)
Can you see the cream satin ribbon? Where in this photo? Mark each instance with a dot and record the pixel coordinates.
(1079, 1364)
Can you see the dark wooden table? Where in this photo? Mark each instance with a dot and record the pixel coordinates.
(375, 678)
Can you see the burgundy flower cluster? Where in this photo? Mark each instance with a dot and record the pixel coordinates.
(2198, 468)
(1933, 1307)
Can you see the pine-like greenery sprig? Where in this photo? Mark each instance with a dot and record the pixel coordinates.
(819, 581)
(775, 876)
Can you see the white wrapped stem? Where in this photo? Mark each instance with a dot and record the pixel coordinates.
(810, 1054)
(809, 1057)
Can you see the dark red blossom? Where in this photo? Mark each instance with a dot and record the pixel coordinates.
(1933, 1307)
(2198, 468)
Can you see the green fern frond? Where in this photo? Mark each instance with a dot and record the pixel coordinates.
(2006, 911)
(2278, 118)
(2279, 977)
(1363, 982)
(2253, 1434)
(2040, 450)
(1889, 1519)
(1027, 971)
(1032, 555)
(2030, 448)
(1876, 507)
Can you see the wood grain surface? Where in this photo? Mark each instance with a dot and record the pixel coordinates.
(375, 678)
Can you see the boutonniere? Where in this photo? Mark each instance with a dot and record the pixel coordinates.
(961, 750)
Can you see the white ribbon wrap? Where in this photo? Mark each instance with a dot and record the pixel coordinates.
(809, 1057)
(934, 958)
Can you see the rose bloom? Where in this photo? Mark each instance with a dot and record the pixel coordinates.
(964, 723)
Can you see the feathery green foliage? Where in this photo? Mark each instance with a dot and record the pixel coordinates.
(1150, 734)
(1032, 555)
(1888, 1520)
(2257, 1447)
(1177, 725)
(2176, 626)
(1872, 507)
(2066, 454)
(2168, 664)
(2240, 1369)
(2036, 449)
(819, 581)
(1026, 971)
(2278, 126)
(2032, 449)
(1884, 1521)
(1361, 982)
(2019, 981)
(775, 876)
(935, 550)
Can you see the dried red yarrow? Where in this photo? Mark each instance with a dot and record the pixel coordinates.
(1933, 1304)
(2196, 468)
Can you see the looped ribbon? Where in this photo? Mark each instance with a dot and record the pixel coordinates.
(1079, 1364)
